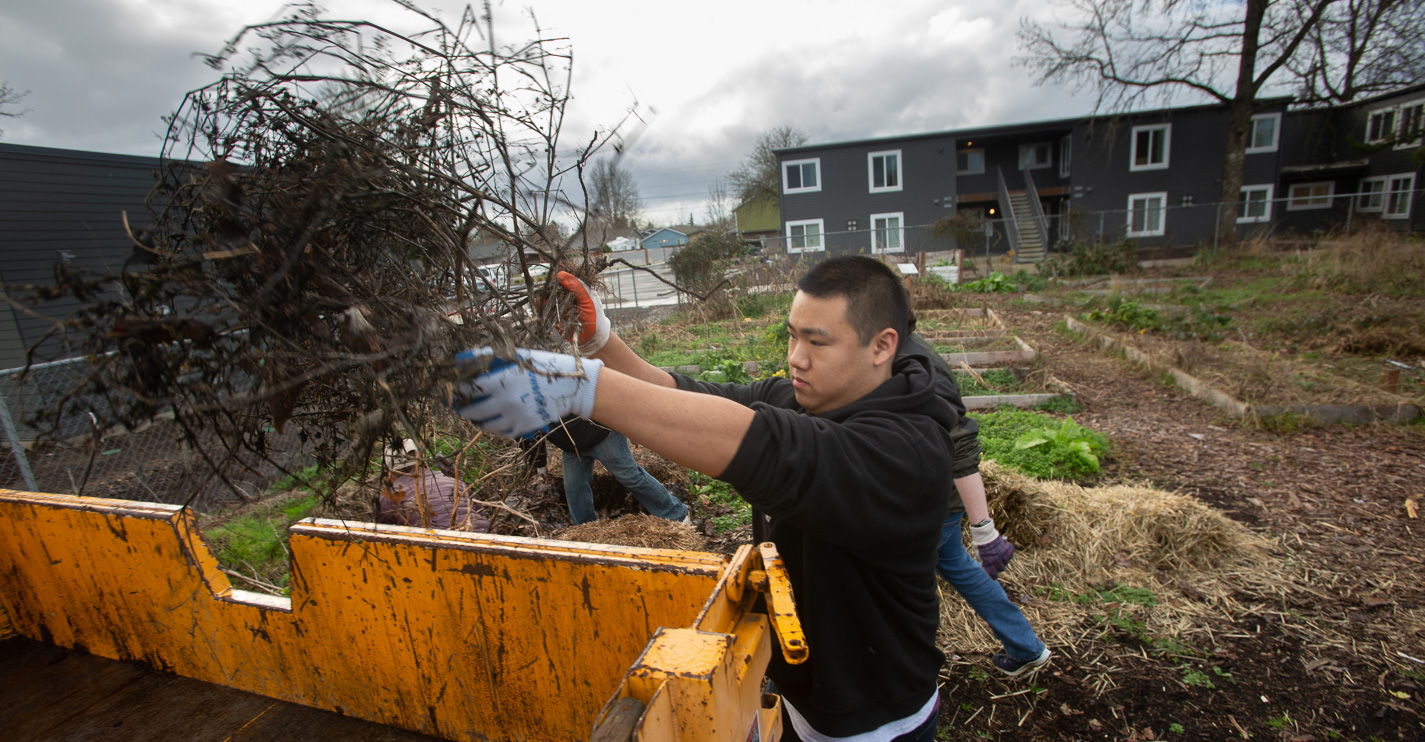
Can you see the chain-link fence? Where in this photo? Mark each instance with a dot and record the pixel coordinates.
(154, 463)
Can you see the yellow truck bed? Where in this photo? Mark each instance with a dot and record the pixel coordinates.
(454, 635)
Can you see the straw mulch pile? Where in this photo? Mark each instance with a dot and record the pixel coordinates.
(636, 529)
(1075, 543)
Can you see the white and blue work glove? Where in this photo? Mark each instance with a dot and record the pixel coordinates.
(524, 397)
(995, 551)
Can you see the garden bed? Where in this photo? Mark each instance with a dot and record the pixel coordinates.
(1248, 383)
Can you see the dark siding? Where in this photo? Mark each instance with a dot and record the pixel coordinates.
(1196, 148)
(928, 183)
(62, 206)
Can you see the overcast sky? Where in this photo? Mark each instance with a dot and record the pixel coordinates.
(102, 73)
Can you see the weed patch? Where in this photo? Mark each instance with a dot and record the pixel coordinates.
(1038, 445)
(254, 544)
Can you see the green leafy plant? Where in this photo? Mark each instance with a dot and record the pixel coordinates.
(1001, 429)
(1176, 728)
(994, 283)
(727, 371)
(1061, 404)
(1196, 678)
(1069, 449)
(715, 495)
(1125, 314)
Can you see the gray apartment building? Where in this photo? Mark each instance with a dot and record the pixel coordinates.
(1151, 176)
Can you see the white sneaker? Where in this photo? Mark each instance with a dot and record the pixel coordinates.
(687, 519)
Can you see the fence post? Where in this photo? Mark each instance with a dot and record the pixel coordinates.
(15, 448)
(1216, 227)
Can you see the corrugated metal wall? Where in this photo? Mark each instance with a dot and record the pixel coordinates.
(62, 206)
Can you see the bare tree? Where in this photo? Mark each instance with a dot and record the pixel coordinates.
(8, 98)
(757, 175)
(1233, 53)
(613, 195)
(720, 206)
(1361, 47)
(315, 208)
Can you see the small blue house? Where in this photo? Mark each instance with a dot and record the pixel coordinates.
(664, 237)
(671, 237)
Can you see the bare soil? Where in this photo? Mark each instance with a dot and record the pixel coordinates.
(1333, 662)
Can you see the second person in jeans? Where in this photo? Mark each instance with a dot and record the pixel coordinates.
(582, 443)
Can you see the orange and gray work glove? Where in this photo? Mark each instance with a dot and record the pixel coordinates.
(593, 332)
(995, 551)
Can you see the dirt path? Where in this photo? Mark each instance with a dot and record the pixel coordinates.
(1324, 665)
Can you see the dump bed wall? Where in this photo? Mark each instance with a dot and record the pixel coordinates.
(458, 635)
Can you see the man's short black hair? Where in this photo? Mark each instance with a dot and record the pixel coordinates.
(875, 298)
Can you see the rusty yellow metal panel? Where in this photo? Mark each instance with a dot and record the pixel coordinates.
(458, 635)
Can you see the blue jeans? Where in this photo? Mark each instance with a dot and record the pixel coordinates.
(615, 455)
(984, 594)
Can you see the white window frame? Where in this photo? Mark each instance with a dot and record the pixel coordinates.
(1167, 130)
(1385, 132)
(1368, 193)
(966, 151)
(1243, 218)
(820, 236)
(815, 162)
(1276, 119)
(1066, 151)
(1048, 155)
(871, 171)
(1309, 202)
(1162, 229)
(1407, 188)
(1400, 124)
(876, 231)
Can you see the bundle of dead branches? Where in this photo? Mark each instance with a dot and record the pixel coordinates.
(308, 261)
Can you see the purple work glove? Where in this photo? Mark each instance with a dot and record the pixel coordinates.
(995, 551)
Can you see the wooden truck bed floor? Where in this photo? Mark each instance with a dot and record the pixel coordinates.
(52, 693)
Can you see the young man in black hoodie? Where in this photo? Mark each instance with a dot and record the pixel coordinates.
(846, 456)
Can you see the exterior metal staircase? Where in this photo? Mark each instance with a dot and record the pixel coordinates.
(1031, 244)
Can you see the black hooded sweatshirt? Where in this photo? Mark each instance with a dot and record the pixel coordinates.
(856, 497)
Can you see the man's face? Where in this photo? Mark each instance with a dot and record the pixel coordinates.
(828, 365)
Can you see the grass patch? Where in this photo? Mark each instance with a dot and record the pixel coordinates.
(254, 543)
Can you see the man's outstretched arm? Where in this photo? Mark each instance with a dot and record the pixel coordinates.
(699, 431)
(526, 394)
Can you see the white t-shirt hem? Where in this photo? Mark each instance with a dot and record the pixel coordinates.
(884, 733)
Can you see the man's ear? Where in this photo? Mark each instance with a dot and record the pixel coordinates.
(883, 346)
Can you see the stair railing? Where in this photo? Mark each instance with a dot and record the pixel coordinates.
(1007, 210)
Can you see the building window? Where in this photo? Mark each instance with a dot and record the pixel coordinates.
(1064, 151)
(1146, 214)
(970, 161)
(1310, 196)
(1262, 133)
(1410, 124)
(805, 236)
(1256, 204)
(1372, 196)
(1150, 147)
(887, 233)
(885, 171)
(1399, 192)
(1380, 126)
(1033, 156)
(801, 176)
